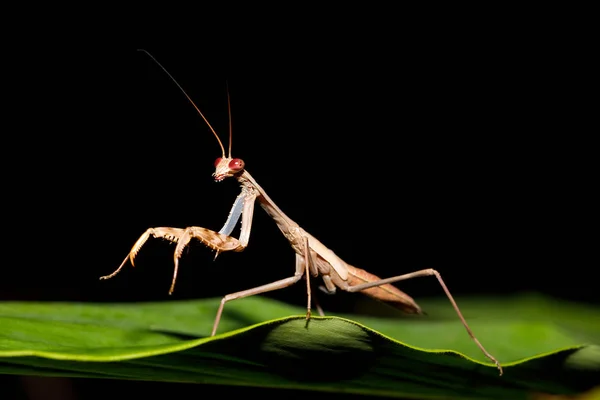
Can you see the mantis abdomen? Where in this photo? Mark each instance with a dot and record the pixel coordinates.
(386, 293)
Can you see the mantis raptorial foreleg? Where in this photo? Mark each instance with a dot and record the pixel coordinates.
(171, 234)
(218, 241)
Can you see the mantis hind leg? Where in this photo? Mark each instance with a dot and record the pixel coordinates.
(416, 274)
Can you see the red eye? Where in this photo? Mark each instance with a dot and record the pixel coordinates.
(236, 164)
(217, 161)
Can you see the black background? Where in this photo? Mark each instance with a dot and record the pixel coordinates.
(467, 155)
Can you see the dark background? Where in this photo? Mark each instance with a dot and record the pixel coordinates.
(467, 155)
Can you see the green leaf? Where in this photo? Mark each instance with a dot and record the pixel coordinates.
(544, 345)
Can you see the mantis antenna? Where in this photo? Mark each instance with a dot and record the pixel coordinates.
(229, 116)
(195, 106)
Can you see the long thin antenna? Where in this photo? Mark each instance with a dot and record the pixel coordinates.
(229, 110)
(194, 104)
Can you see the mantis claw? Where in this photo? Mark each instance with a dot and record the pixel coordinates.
(214, 240)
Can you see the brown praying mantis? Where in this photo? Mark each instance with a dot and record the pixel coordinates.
(313, 259)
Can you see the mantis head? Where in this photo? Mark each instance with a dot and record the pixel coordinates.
(226, 167)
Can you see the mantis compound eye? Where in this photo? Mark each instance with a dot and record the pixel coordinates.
(237, 164)
(217, 161)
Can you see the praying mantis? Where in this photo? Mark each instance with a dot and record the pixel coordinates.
(313, 259)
